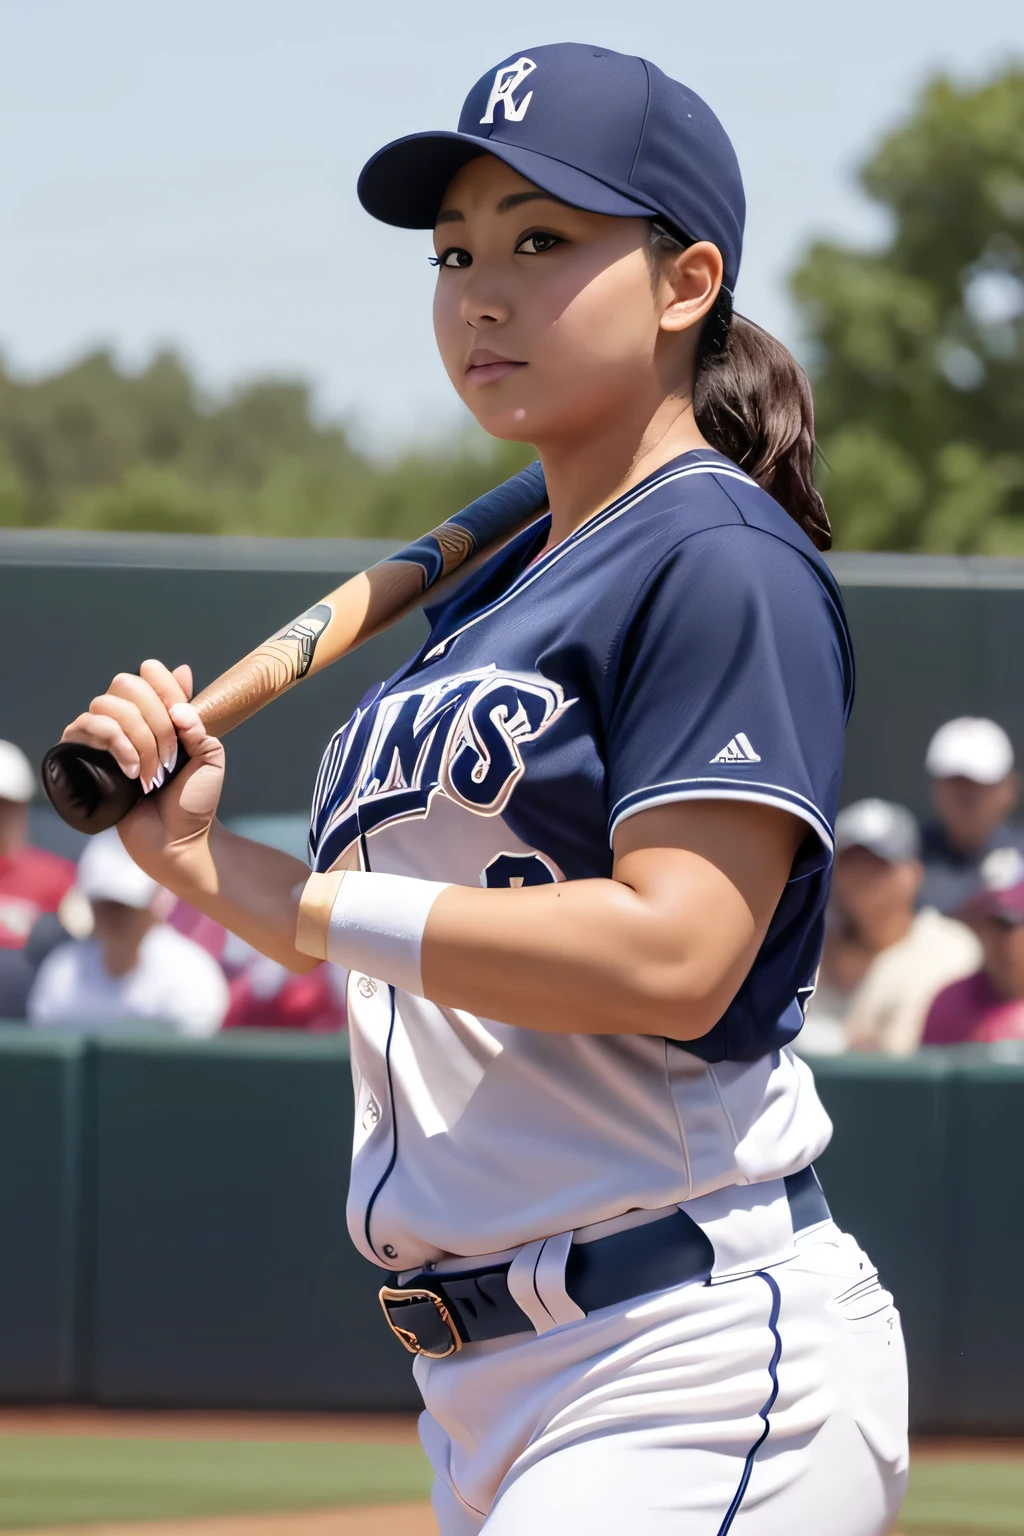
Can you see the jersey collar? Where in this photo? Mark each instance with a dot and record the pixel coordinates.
(698, 461)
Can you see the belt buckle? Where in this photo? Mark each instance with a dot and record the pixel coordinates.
(409, 1340)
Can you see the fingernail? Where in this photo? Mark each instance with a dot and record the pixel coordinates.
(159, 777)
(147, 785)
(170, 762)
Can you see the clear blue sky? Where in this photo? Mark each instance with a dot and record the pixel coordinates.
(185, 172)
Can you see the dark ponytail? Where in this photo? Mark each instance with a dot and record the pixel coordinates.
(752, 401)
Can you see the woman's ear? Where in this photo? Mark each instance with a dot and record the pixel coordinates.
(690, 284)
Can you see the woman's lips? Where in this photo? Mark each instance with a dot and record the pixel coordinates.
(487, 367)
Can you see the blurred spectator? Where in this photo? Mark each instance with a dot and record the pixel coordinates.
(202, 930)
(134, 967)
(974, 791)
(266, 996)
(31, 881)
(883, 963)
(988, 1005)
(16, 975)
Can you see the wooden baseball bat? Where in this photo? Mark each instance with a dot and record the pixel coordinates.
(87, 788)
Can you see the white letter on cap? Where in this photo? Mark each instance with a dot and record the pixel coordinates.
(508, 79)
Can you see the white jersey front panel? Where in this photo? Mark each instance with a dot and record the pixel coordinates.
(493, 760)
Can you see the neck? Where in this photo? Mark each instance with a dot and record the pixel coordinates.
(120, 956)
(968, 847)
(585, 474)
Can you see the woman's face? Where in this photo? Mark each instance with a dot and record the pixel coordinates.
(546, 317)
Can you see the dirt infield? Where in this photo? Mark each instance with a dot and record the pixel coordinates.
(379, 1520)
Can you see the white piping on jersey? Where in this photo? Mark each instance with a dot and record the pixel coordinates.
(737, 789)
(579, 535)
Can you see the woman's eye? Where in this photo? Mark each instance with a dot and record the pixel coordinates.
(454, 256)
(537, 243)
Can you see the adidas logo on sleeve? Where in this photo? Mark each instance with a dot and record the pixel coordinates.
(739, 750)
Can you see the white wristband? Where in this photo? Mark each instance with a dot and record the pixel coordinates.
(376, 926)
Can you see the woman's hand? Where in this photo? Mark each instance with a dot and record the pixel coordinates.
(174, 836)
(140, 721)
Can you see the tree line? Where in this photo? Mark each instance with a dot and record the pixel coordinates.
(915, 349)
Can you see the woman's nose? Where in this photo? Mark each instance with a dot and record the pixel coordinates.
(482, 305)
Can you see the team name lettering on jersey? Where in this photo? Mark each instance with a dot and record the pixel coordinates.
(460, 737)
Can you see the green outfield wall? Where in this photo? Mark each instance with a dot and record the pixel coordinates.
(41, 1139)
(172, 1227)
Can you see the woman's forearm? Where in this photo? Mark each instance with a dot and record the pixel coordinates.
(251, 889)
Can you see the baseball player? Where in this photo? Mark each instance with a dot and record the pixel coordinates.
(575, 854)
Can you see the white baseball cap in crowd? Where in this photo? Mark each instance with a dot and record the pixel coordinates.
(970, 748)
(1002, 887)
(17, 781)
(889, 831)
(107, 873)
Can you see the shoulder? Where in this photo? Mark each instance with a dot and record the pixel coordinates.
(954, 1009)
(59, 977)
(708, 516)
(945, 937)
(68, 959)
(735, 583)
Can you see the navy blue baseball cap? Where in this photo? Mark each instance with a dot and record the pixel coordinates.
(603, 131)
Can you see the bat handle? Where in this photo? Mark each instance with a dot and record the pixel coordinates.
(88, 790)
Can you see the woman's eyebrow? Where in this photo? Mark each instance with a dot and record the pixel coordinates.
(514, 199)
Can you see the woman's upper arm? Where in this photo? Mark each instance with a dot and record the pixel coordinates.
(713, 870)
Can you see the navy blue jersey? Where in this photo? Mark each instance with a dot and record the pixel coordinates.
(688, 642)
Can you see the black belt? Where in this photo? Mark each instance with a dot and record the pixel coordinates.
(435, 1315)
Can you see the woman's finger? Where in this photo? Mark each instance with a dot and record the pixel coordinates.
(189, 726)
(163, 681)
(136, 728)
(150, 704)
(183, 677)
(104, 732)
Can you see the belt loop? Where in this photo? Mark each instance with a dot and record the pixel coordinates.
(549, 1280)
(536, 1280)
(520, 1284)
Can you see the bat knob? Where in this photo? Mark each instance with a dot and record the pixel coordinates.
(86, 787)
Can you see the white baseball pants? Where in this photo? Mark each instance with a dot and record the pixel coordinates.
(772, 1403)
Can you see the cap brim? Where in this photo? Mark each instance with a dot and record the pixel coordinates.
(881, 850)
(404, 182)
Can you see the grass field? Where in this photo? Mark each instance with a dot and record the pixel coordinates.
(64, 1480)
(965, 1498)
(54, 1479)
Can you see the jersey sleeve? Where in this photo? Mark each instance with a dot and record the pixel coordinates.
(734, 682)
